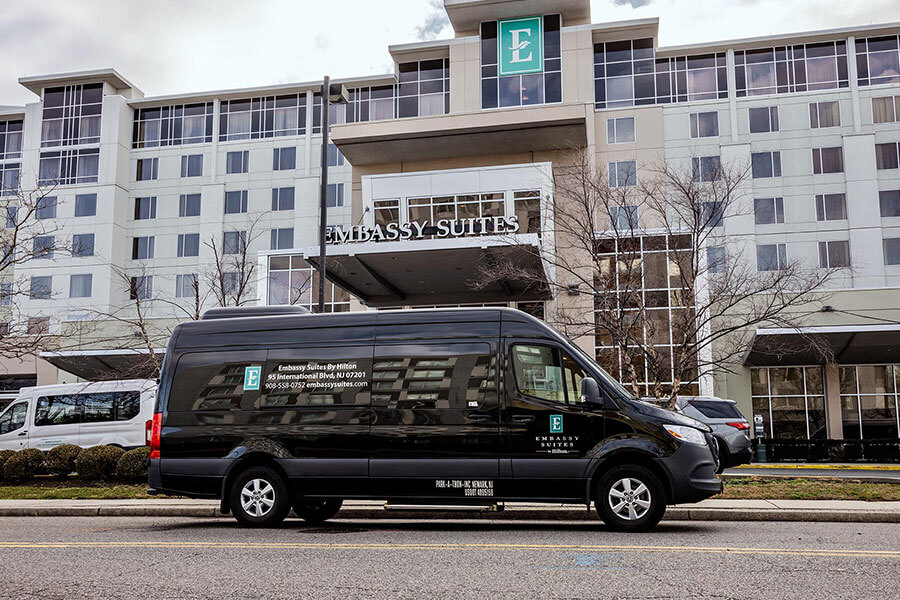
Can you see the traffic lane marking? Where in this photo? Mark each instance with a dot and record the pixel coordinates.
(409, 546)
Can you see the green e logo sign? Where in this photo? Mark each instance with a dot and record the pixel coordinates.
(521, 44)
(251, 378)
(556, 423)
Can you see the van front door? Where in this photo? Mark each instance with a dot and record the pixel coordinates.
(13, 430)
(550, 433)
(435, 421)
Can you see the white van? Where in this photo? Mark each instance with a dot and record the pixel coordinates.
(85, 414)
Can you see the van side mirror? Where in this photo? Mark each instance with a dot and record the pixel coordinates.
(590, 391)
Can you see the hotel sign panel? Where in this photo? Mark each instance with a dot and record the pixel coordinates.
(521, 45)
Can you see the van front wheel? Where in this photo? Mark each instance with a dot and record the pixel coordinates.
(630, 498)
(317, 510)
(259, 498)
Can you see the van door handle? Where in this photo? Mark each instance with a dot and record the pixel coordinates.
(523, 418)
(23, 433)
(478, 417)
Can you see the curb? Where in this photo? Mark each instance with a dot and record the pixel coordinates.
(559, 514)
(821, 466)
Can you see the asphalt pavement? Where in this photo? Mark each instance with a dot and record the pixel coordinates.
(77, 557)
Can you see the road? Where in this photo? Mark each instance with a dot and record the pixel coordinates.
(60, 557)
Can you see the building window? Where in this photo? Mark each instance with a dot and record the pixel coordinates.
(334, 195)
(824, 114)
(791, 401)
(789, 69)
(10, 139)
(237, 162)
(189, 205)
(627, 73)
(144, 208)
(38, 325)
(12, 217)
(366, 104)
(265, 117)
(85, 205)
(147, 169)
(716, 259)
(834, 255)
(430, 210)
(831, 207)
(83, 244)
(828, 160)
(67, 167)
(186, 285)
(235, 202)
(293, 281)
(9, 179)
(869, 401)
(886, 156)
(705, 124)
(890, 203)
(878, 60)
(765, 164)
(620, 130)
(712, 214)
(520, 90)
(173, 125)
(41, 287)
(623, 218)
(142, 247)
(623, 173)
(886, 110)
(188, 244)
(6, 293)
(527, 208)
(891, 251)
(141, 288)
(283, 198)
(45, 208)
(768, 211)
(80, 286)
(424, 88)
(282, 239)
(284, 159)
(192, 165)
(771, 257)
(386, 212)
(234, 242)
(71, 115)
(706, 168)
(764, 119)
(335, 157)
(42, 246)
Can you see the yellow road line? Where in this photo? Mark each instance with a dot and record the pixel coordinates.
(823, 467)
(892, 554)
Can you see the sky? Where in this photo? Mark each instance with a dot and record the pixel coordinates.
(178, 46)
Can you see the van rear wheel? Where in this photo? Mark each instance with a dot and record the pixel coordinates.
(630, 498)
(259, 498)
(317, 510)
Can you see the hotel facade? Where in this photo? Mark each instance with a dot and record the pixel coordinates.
(470, 132)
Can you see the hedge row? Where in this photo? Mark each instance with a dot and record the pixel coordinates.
(97, 463)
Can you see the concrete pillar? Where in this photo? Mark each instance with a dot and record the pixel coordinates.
(833, 403)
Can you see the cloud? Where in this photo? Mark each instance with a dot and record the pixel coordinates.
(435, 21)
(633, 3)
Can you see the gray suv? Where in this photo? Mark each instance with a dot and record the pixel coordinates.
(729, 426)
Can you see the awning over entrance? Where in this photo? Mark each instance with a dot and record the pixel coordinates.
(849, 344)
(106, 365)
(431, 272)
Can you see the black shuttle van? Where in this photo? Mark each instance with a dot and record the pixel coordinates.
(275, 408)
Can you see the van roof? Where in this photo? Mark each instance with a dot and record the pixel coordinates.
(91, 386)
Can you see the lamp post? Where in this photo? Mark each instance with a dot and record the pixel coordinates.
(336, 93)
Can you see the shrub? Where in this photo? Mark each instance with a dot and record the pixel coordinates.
(4, 456)
(60, 460)
(133, 464)
(23, 464)
(98, 462)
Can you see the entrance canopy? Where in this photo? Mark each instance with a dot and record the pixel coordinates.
(849, 344)
(106, 365)
(431, 272)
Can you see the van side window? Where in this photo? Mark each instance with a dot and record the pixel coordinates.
(435, 376)
(214, 381)
(317, 377)
(95, 407)
(14, 418)
(56, 410)
(541, 373)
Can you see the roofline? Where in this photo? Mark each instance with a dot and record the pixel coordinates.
(820, 329)
(109, 352)
(12, 111)
(35, 83)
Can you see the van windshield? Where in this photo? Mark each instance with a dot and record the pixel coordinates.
(610, 381)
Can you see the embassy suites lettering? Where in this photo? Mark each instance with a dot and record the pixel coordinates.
(413, 230)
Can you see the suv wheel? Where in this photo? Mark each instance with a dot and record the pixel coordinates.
(317, 510)
(630, 498)
(259, 498)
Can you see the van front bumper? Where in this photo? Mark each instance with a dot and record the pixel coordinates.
(692, 474)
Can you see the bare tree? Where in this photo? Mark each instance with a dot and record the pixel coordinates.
(669, 291)
(231, 276)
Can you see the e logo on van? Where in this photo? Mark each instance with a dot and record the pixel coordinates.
(251, 378)
(556, 424)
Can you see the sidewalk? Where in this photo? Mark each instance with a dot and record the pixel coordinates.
(851, 511)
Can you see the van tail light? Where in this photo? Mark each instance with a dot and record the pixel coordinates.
(740, 425)
(155, 432)
(148, 432)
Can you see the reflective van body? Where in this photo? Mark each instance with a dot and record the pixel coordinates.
(280, 409)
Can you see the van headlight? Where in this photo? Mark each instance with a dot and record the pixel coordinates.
(686, 434)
